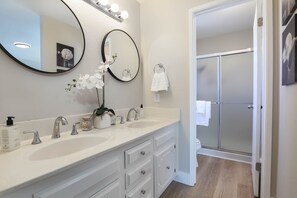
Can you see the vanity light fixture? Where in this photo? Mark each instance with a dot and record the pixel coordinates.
(22, 45)
(110, 10)
(103, 2)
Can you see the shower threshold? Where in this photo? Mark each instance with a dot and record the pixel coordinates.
(227, 154)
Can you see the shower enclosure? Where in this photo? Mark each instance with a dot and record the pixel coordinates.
(227, 81)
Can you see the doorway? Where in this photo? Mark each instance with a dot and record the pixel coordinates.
(263, 14)
(225, 79)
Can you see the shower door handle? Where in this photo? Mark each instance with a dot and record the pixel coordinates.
(250, 106)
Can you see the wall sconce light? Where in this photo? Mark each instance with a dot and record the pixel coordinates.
(110, 10)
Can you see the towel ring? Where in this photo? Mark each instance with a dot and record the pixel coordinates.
(126, 73)
(160, 66)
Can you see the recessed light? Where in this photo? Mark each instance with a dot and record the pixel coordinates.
(22, 45)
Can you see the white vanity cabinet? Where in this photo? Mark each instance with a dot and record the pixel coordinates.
(141, 168)
(111, 191)
(97, 177)
(165, 158)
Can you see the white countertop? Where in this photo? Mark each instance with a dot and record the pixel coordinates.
(17, 170)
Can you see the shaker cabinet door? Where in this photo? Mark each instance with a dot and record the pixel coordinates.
(111, 191)
(165, 168)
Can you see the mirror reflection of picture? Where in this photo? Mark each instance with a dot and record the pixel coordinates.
(65, 56)
(107, 50)
(289, 53)
(288, 8)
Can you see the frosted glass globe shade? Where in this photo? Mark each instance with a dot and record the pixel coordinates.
(114, 7)
(124, 14)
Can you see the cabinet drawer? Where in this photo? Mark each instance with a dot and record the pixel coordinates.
(166, 137)
(143, 190)
(111, 191)
(73, 186)
(138, 153)
(139, 173)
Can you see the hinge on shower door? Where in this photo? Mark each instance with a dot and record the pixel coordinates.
(258, 166)
(260, 21)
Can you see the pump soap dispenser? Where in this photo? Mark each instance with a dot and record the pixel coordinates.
(10, 136)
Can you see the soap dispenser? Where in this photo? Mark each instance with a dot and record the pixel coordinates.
(141, 111)
(10, 136)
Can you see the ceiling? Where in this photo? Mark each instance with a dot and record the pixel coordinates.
(227, 20)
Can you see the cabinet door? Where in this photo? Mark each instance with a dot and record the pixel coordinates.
(79, 185)
(111, 191)
(165, 168)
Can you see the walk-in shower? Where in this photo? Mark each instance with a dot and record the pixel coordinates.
(226, 79)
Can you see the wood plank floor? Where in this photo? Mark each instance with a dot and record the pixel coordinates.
(216, 178)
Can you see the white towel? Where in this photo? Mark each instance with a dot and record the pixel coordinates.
(203, 118)
(200, 106)
(160, 82)
(126, 78)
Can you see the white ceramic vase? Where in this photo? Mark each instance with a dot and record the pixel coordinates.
(102, 121)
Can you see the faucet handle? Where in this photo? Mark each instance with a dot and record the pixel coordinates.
(36, 139)
(122, 119)
(74, 130)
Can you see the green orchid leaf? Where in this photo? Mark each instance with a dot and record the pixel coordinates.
(100, 111)
(112, 111)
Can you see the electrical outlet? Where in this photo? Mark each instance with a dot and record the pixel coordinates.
(157, 97)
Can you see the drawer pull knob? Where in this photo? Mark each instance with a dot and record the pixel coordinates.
(168, 167)
(142, 152)
(143, 192)
(143, 172)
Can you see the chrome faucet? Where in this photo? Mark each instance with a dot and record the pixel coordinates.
(56, 131)
(136, 114)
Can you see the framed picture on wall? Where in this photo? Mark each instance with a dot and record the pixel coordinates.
(289, 50)
(65, 56)
(288, 9)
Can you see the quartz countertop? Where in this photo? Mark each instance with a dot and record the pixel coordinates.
(17, 170)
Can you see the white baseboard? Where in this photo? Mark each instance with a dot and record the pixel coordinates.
(184, 178)
(226, 155)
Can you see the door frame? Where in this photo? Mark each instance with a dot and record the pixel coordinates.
(267, 86)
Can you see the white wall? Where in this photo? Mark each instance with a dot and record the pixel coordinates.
(29, 95)
(285, 139)
(227, 42)
(164, 39)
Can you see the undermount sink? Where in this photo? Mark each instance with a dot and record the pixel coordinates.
(66, 147)
(142, 124)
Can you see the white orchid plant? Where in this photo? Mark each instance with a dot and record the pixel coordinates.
(93, 81)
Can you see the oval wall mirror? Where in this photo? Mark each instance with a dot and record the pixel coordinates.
(121, 51)
(42, 35)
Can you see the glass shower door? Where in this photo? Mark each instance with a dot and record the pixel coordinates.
(236, 114)
(207, 89)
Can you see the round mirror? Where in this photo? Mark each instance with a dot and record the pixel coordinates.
(120, 50)
(42, 35)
